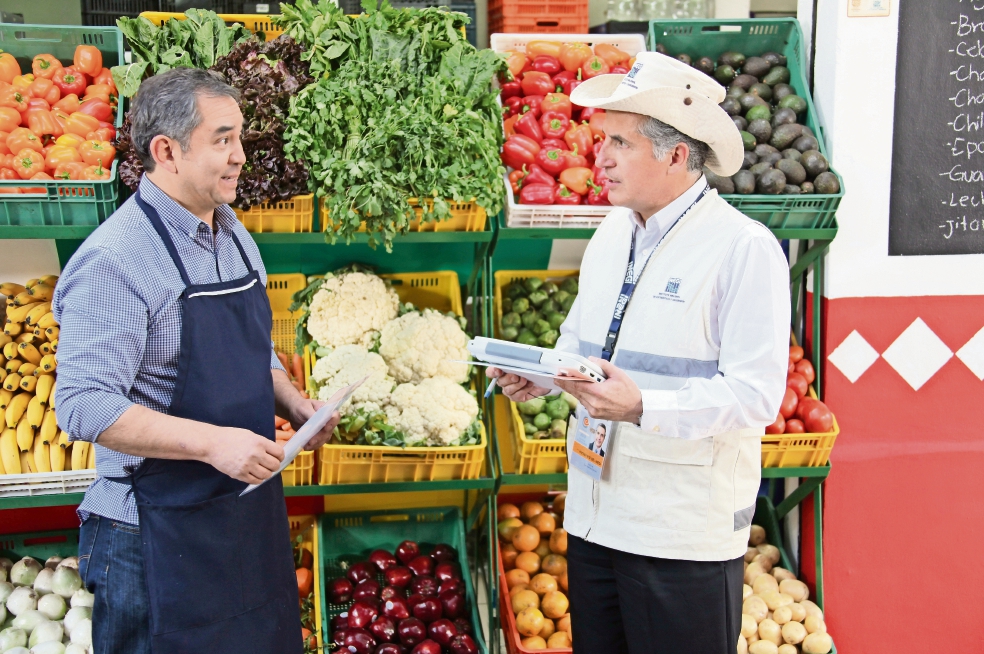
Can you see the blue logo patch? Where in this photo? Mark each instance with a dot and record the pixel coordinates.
(635, 69)
(673, 286)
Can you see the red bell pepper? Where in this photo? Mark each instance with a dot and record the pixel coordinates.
(512, 106)
(546, 64)
(554, 124)
(516, 178)
(563, 195)
(68, 104)
(35, 106)
(562, 77)
(88, 59)
(594, 66)
(596, 150)
(519, 151)
(597, 195)
(558, 102)
(579, 137)
(511, 89)
(619, 70)
(538, 176)
(588, 112)
(537, 83)
(537, 194)
(46, 90)
(575, 160)
(571, 84)
(104, 133)
(553, 161)
(98, 108)
(68, 80)
(532, 103)
(576, 179)
(553, 144)
(597, 123)
(599, 177)
(528, 126)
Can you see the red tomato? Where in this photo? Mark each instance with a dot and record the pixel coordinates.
(778, 427)
(794, 426)
(816, 417)
(805, 368)
(789, 401)
(795, 353)
(797, 382)
(791, 367)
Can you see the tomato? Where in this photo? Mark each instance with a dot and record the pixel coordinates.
(45, 65)
(789, 401)
(98, 108)
(46, 90)
(805, 368)
(21, 138)
(9, 68)
(778, 427)
(88, 59)
(10, 118)
(68, 104)
(816, 417)
(61, 154)
(70, 171)
(68, 80)
(797, 382)
(96, 172)
(794, 426)
(795, 353)
(97, 152)
(28, 163)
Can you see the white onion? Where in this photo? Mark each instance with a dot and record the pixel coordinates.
(82, 633)
(76, 615)
(6, 588)
(25, 571)
(18, 650)
(6, 563)
(42, 583)
(22, 599)
(52, 607)
(65, 582)
(45, 632)
(28, 621)
(72, 648)
(82, 597)
(70, 562)
(53, 562)
(48, 647)
(11, 638)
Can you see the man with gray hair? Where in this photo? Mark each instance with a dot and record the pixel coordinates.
(684, 304)
(166, 365)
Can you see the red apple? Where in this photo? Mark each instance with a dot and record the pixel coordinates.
(383, 629)
(389, 592)
(338, 637)
(452, 584)
(407, 551)
(443, 631)
(463, 644)
(452, 603)
(361, 571)
(382, 559)
(411, 631)
(422, 566)
(444, 552)
(396, 608)
(427, 647)
(368, 589)
(428, 610)
(340, 591)
(398, 576)
(445, 571)
(361, 614)
(340, 621)
(391, 648)
(426, 586)
(463, 626)
(359, 641)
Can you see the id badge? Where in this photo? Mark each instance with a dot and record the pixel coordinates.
(591, 441)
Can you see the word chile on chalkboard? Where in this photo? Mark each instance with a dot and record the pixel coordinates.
(937, 202)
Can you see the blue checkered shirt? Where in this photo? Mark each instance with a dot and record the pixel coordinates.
(118, 306)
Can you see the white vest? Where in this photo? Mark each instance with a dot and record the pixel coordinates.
(663, 496)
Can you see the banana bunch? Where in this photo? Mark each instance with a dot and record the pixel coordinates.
(30, 440)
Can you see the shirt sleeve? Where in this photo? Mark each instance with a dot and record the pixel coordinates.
(103, 321)
(752, 323)
(274, 361)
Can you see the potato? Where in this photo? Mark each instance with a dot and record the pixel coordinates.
(793, 633)
(765, 583)
(763, 561)
(749, 625)
(756, 607)
(754, 638)
(786, 648)
(756, 536)
(799, 613)
(781, 574)
(814, 624)
(742, 645)
(750, 554)
(817, 643)
(782, 615)
(746, 590)
(812, 609)
(770, 631)
(770, 551)
(763, 647)
(752, 572)
(775, 599)
(795, 589)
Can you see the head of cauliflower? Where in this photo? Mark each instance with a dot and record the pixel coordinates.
(434, 412)
(351, 308)
(418, 346)
(348, 364)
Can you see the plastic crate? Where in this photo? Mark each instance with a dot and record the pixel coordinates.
(465, 217)
(280, 289)
(799, 450)
(300, 472)
(711, 38)
(105, 12)
(255, 23)
(535, 456)
(513, 640)
(284, 216)
(503, 278)
(40, 545)
(345, 538)
(538, 9)
(306, 526)
(543, 25)
(60, 202)
(46, 483)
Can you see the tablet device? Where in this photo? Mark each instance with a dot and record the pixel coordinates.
(535, 361)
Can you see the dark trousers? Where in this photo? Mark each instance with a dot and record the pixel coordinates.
(629, 604)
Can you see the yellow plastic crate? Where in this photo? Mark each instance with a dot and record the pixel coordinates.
(285, 216)
(465, 217)
(280, 288)
(253, 22)
(503, 278)
(300, 472)
(799, 450)
(306, 527)
(533, 456)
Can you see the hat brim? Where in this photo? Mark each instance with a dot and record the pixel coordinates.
(687, 111)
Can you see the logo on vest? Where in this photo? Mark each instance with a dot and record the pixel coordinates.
(673, 285)
(672, 292)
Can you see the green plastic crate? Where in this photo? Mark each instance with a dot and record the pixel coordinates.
(40, 545)
(349, 537)
(711, 38)
(68, 202)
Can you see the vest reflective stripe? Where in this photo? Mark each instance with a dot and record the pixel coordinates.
(657, 364)
(586, 349)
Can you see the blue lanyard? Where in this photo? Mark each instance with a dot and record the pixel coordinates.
(630, 282)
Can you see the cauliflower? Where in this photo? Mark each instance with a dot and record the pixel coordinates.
(351, 308)
(348, 364)
(417, 346)
(436, 411)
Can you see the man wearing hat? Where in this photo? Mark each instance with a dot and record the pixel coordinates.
(684, 304)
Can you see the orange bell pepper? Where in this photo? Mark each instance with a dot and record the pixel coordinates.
(612, 55)
(97, 152)
(23, 82)
(4, 150)
(105, 76)
(88, 59)
(69, 104)
(21, 137)
(7, 174)
(96, 173)
(81, 124)
(70, 171)
(102, 134)
(70, 140)
(45, 65)
(549, 48)
(46, 90)
(509, 125)
(10, 118)
(44, 176)
(576, 179)
(597, 124)
(97, 92)
(14, 98)
(61, 154)
(28, 163)
(572, 55)
(9, 68)
(43, 123)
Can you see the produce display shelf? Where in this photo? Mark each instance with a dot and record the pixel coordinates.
(40, 545)
(305, 527)
(503, 453)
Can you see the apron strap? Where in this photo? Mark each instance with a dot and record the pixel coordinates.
(158, 224)
(242, 252)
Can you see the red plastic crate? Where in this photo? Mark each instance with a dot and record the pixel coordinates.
(538, 16)
(541, 25)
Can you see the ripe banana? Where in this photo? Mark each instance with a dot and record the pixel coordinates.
(43, 390)
(29, 353)
(90, 462)
(10, 351)
(34, 315)
(27, 463)
(47, 363)
(35, 412)
(16, 408)
(80, 454)
(42, 456)
(25, 297)
(28, 383)
(41, 291)
(51, 395)
(50, 280)
(5, 397)
(26, 369)
(25, 337)
(4, 339)
(51, 333)
(10, 289)
(25, 435)
(19, 314)
(9, 452)
(49, 428)
(45, 349)
(3, 470)
(13, 366)
(32, 282)
(13, 329)
(54, 345)
(3, 375)
(63, 438)
(56, 454)
(12, 382)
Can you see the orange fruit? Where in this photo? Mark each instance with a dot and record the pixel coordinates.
(562, 581)
(560, 503)
(543, 549)
(529, 510)
(559, 640)
(526, 599)
(507, 511)
(554, 564)
(564, 623)
(517, 576)
(558, 542)
(548, 629)
(528, 561)
(525, 538)
(543, 584)
(554, 604)
(534, 643)
(529, 622)
(508, 527)
(518, 587)
(508, 556)
(544, 523)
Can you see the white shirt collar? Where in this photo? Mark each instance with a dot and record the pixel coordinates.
(661, 221)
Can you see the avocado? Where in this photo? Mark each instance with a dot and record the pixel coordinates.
(804, 143)
(760, 168)
(791, 189)
(756, 66)
(760, 129)
(784, 135)
(739, 122)
(724, 74)
(749, 100)
(775, 58)
(771, 158)
(722, 185)
(763, 149)
(705, 65)
(732, 59)
(685, 58)
(806, 188)
(794, 102)
(793, 170)
(814, 163)
(771, 182)
(778, 75)
(763, 91)
(731, 106)
(783, 116)
(660, 48)
(792, 153)
(750, 160)
(744, 81)
(780, 91)
(744, 181)
(808, 132)
(826, 183)
(762, 111)
(734, 92)
(748, 140)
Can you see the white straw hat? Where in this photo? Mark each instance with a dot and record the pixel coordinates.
(676, 94)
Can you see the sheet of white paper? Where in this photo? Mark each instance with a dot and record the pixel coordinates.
(541, 379)
(310, 429)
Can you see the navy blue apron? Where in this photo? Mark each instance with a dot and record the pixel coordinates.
(219, 567)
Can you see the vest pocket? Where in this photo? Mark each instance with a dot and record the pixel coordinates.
(662, 481)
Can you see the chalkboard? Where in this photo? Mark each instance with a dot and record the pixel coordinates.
(938, 157)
